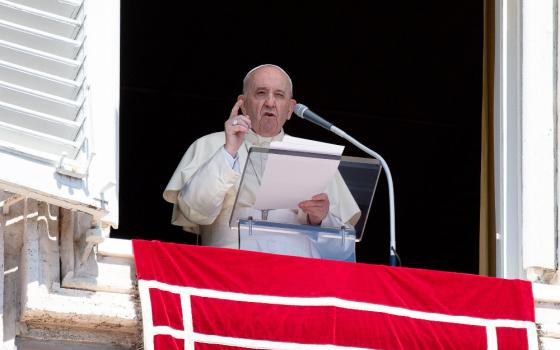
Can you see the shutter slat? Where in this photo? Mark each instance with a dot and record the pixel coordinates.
(40, 20)
(39, 60)
(67, 8)
(39, 81)
(33, 140)
(40, 122)
(39, 101)
(39, 40)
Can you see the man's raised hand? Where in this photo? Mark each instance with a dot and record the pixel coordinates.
(236, 127)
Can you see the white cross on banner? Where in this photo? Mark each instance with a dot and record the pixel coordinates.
(208, 298)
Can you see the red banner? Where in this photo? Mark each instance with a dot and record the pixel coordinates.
(208, 298)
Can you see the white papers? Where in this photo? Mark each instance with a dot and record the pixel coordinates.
(289, 179)
(290, 143)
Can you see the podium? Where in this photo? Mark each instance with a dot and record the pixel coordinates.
(283, 228)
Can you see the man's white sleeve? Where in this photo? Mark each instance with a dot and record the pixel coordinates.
(233, 162)
(332, 220)
(202, 197)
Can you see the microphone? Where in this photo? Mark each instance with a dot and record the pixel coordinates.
(303, 112)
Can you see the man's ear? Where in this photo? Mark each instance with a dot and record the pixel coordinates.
(242, 98)
(292, 106)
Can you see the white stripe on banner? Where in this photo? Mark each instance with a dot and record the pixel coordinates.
(165, 330)
(533, 337)
(243, 342)
(144, 291)
(186, 292)
(341, 303)
(187, 321)
(267, 344)
(491, 338)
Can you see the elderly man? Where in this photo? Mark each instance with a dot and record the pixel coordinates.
(204, 185)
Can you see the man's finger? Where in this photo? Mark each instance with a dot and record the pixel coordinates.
(314, 210)
(309, 207)
(246, 119)
(235, 129)
(242, 120)
(311, 204)
(238, 122)
(320, 197)
(235, 108)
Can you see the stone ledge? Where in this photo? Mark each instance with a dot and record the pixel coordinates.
(33, 344)
(115, 247)
(551, 330)
(95, 315)
(73, 339)
(112, 276)
(547, 314)
(546, 293)
(549, 343)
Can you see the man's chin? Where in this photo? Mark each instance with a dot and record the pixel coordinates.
(268, 130)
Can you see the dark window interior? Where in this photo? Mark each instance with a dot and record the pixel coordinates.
(402, 77)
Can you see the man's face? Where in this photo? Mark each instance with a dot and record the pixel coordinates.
(267, 101)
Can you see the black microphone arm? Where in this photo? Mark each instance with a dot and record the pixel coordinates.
(303, 112)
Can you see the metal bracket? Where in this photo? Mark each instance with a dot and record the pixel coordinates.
(264, 214)
(74, 169)
(94, 236)
(343, 231)
(250, 225)
(102, 201)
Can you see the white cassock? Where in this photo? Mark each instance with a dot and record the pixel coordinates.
(204, 186)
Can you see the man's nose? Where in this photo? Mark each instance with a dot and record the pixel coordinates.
(270, 100)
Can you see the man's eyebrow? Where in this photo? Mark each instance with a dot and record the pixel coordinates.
(264, 88)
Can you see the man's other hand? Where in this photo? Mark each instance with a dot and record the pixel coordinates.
(316, 208)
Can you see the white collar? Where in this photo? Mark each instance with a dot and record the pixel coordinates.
(257, 140)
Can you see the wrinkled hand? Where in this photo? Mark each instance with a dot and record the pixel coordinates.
(316, 208)
(236, 127)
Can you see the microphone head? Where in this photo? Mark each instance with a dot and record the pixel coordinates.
(299, 109)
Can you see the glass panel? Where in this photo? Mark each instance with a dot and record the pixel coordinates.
(297, 240)
(361, 176)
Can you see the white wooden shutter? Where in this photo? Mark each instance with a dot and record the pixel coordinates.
(59, 95)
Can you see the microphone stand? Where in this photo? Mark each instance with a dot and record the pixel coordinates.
(303, 111)
(393, 241)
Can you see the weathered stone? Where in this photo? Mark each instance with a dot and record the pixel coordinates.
(98, 309)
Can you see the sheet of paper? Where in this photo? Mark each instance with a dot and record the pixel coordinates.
(289, 180)
(290, 143)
